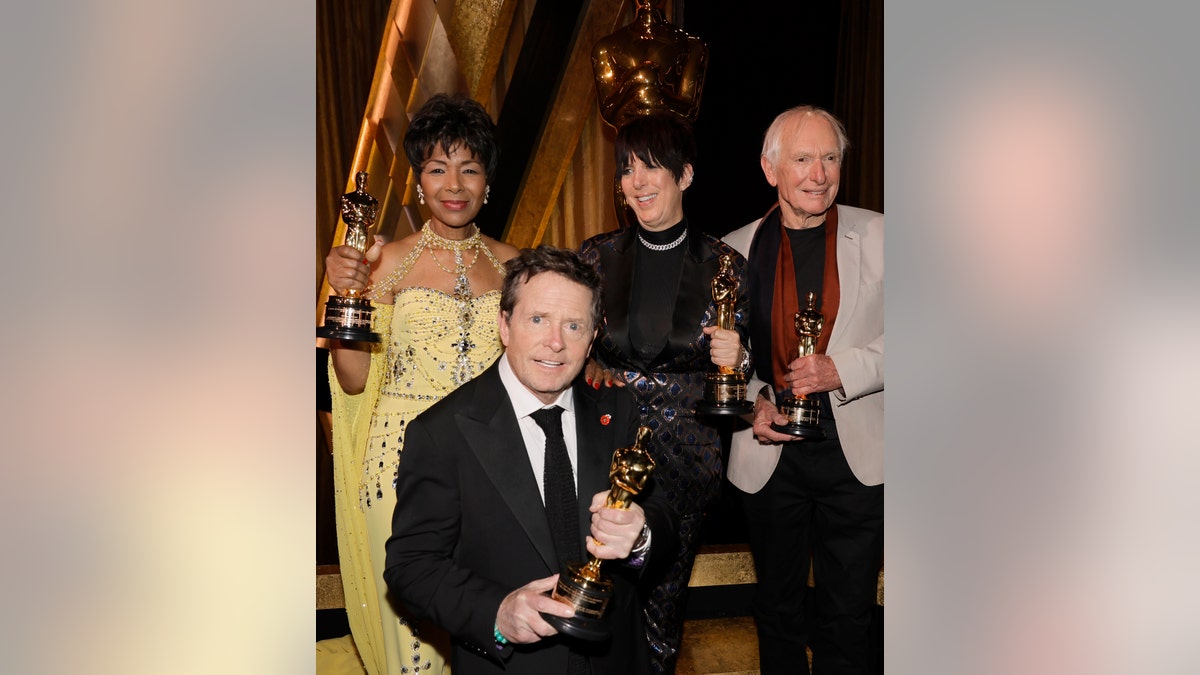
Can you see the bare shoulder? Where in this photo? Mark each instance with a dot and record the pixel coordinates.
(392, 255)
(501, 250)
(394, 251)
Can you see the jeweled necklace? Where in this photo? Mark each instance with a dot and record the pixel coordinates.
(431, 239)
(662, 247)
(428, 240)
(462, 370)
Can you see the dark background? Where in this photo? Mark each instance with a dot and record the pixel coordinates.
(756, 70)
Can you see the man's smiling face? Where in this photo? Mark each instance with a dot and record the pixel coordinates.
(548, 333)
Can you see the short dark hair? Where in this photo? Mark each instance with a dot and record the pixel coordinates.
(658, 140)
(531, 262)
(451, 121)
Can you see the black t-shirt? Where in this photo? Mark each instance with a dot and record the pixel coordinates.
(808, 259)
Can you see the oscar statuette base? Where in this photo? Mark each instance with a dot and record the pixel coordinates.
(589, 597)
(591, 630)
(348, 318)
(802, 414)
(724, 394)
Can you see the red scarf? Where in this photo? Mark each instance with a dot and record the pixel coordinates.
(785, 303)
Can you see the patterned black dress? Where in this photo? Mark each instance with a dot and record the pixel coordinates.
(667, 386)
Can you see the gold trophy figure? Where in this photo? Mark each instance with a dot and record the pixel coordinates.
(648, 66)
(802, 412)
(580, 585)
(348, 315)
(724, 386)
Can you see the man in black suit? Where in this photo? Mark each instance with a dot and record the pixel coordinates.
(472, 546)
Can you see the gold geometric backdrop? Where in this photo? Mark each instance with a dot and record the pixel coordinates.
(472, 46)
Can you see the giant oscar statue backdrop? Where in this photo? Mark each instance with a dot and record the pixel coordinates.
(649, 66)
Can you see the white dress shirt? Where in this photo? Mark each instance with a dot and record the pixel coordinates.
(524, 403)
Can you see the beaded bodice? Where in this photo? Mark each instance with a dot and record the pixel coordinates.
(431, 332)
(436, 342)
(424, 362)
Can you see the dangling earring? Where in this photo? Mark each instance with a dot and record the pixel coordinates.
(487, 191)
(420, 194)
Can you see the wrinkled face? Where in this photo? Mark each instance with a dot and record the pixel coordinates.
(654, 194)
(454, 186)
(807, 171)
(548, 334)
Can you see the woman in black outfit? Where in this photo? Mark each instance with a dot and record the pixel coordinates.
(659, 338)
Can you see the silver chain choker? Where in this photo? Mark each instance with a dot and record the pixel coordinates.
(663, 247)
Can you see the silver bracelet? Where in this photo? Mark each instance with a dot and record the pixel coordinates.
(637, 556)
(745, 362)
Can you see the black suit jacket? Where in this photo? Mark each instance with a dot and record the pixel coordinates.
(469, 526)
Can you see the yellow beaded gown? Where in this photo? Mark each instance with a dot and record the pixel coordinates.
(433, 342)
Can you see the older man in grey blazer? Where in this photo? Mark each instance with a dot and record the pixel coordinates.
(813, 499)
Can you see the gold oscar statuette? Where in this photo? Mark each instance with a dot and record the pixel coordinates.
(581, 585)
(348, 315)
(724, 386)
(646, 67)
(802, 412)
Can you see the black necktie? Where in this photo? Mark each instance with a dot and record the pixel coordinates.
(558, 481)
(561, 507)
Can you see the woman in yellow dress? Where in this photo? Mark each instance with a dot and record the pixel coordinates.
(436, 294)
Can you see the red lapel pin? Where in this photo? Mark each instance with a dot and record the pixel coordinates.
(605, 419)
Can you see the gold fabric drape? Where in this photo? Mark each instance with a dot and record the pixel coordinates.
(345, 62)
(585, 203)
(426, 48)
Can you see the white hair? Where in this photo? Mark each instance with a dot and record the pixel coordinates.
(773, 137)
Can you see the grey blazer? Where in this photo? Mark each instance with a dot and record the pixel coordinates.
(856, 347)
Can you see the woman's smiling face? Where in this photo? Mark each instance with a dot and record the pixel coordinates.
(454, 184)
(654, 194)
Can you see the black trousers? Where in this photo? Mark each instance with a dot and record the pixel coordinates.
(814, 508)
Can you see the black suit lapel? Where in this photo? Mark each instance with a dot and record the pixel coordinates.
(595, 442)
(489, 426)
(760, 278)
(618, 280)
(692, 298)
